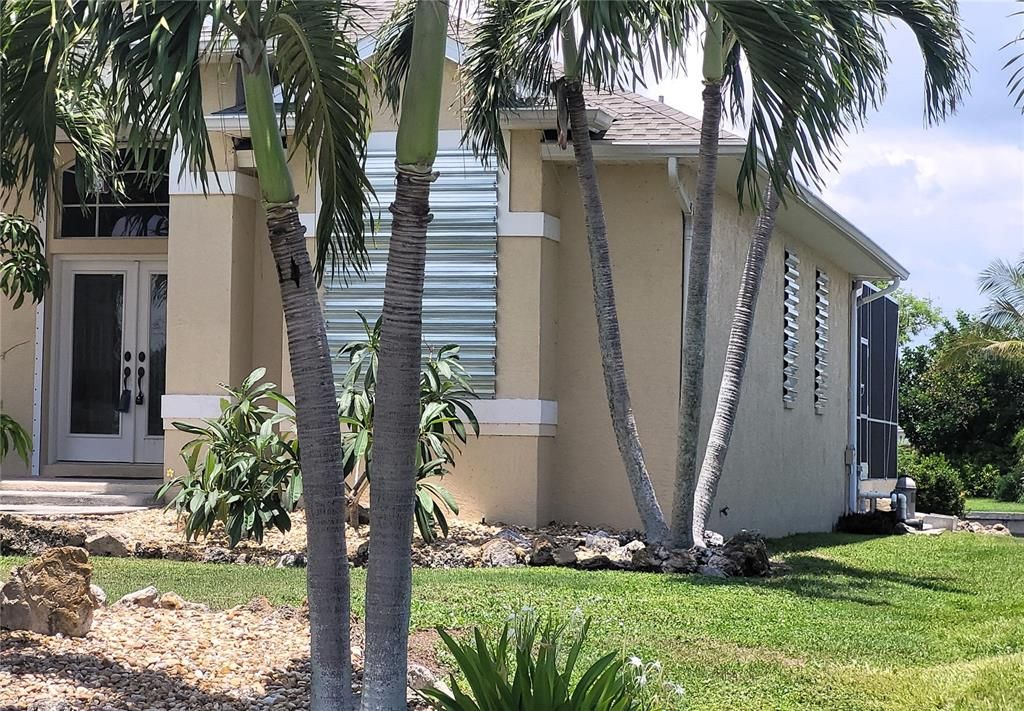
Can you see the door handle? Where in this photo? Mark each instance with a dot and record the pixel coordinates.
(125, 402)
(140, 398)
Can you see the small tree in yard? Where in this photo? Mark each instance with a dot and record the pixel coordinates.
(445, 410)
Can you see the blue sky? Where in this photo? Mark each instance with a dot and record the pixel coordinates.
(946, 200)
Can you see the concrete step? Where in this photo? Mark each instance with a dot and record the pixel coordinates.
(86, 486)
(71, 511)
(76, 495)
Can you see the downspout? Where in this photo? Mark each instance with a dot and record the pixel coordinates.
(686, 208)
(856, 301)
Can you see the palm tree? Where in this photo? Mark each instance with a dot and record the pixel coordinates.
(509, 64)
(1015, 65)
(151, 52)
(411, 58)
(859, 69)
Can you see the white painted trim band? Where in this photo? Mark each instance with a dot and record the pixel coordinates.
(523, 224)
(505, 411)
(190, 407)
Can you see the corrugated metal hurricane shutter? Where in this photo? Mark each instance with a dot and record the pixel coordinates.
(460, 292)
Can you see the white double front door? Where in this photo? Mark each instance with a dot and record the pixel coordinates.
(111, 358)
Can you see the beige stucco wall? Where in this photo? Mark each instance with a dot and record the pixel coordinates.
(785, 468)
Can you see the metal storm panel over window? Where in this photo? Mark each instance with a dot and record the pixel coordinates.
(790, 328)
(460, 291)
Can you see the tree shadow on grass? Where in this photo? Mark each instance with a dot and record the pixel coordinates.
(822, 578)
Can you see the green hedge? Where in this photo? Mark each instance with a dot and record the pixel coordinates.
(940, 489)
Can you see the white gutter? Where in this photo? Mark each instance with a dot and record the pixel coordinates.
(856, 301)
(853, 475)
(686, 206)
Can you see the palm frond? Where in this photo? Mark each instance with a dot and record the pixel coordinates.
(1003, 283)
(48, 65)
(943, 43)
(1015, 65)
(157, 50)
(510, 63)
(322, 84)
(394, 47)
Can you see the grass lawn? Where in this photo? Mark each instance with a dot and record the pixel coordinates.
(993, 505)
(858, 623)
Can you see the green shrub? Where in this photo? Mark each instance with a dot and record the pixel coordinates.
(241, 470)
(531, 665)
(445, 411)
(939, 487)
(14, 438)
(1010, 487)
(979, 479)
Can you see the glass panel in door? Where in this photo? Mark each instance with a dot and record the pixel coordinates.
(157, 357)
(96, 343)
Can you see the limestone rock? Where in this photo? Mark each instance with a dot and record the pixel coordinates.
(99, 594)
(646, 560)
(749, 553)
(634, 546)
(146, 597)
(50, 594)
(680, 562)
(514, 537)
(419, 677)
(499, 553)
(711, 572)
(216, 554)
(111, 542)
(564, 555)
(542, 550)
(171, 601)
(590, 559)
(292, 560)
(713, 539)
(999, 530)
(601, 541)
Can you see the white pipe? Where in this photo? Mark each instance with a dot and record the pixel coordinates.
(686, 206)
(893, 286)
(851, 440)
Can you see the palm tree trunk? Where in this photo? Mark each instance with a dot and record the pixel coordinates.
(327, 581)
(691, 387)
(609, 338)
(397, 407)
(735, 363)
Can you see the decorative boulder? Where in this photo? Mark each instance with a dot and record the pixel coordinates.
(50, 594)
(564, 556)
(542, 550)
(111, 543)
(499, 553)
(601, 542)
(646, 560)
(713, 539)
(589, 559)
(749, 553)
(514, 537)
(681, 562)
(99, 594)
(146, 597)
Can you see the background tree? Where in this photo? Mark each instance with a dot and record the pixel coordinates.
(969, 408)
(917, 316)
